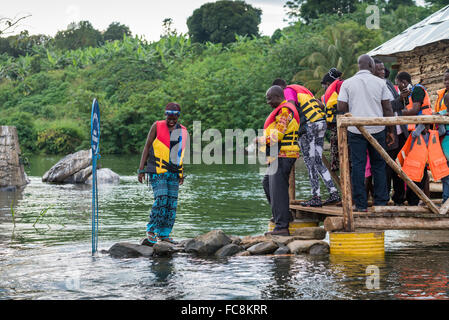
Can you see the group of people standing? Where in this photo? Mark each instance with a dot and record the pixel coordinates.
(298, 124)
(368, 93)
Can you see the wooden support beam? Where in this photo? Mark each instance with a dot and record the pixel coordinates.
(391, 223)
(390, 121)
(346, 191)
(399, 209)
(291, 184)
(398, 170)
(334, 176)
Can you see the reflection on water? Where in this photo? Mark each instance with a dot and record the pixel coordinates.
(51, 260)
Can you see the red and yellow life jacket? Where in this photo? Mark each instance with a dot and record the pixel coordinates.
(439, 104)
(308, 107)
(413, 161)
(167, 151)
(330, 101)
(425, 109)
(289, 143)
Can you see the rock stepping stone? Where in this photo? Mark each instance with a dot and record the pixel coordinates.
(217, 244)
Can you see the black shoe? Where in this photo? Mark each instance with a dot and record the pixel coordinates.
(334, 197)
(314, 202)
(280, 232)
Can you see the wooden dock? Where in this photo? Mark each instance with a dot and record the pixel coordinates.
(432, 215)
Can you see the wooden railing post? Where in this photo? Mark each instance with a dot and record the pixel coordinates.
(291, 184)
(345, 177)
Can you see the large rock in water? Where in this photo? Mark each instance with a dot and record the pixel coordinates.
(68, 166)
(313, 247)
(208, 244)
(130, 250)
(310, 233)
(263, 248)
(228, 250)
(12, 174)
(80, 176)
(105, 176)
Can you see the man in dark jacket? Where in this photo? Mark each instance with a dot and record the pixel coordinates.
(400, 135)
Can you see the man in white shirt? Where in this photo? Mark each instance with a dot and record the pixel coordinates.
(365, 95)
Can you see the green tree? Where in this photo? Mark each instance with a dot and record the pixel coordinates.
(167, 28)
(438, 3)
(220, 21)
(22, 44)
(308, 10)
(78, 35)
(338, 48)
(115, 31)
(394, 4)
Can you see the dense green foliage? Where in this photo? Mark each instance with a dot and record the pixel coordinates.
(47, 92)
(220, 21)
(309, 10)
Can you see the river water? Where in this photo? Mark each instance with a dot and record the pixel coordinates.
(50, 258)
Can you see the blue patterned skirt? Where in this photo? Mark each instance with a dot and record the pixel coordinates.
(163, 213)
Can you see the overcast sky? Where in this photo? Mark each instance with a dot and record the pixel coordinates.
(143, 17)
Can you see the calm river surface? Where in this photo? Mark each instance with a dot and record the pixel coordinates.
(52, 259)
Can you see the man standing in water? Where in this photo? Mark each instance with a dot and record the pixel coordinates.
(281, 142)
(163, 155)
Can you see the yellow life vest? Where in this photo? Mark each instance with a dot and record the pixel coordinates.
(308, 107)
(331, 100)
(167, 151)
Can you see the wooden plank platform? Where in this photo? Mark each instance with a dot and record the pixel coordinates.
(374, 211)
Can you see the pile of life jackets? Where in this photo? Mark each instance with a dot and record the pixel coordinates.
(416, 153)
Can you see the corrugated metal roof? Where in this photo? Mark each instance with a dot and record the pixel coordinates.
(432, 29)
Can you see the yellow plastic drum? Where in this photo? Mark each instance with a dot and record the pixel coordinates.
(357, 243)
(295, 224)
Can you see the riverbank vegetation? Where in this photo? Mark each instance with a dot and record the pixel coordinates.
(47, 84)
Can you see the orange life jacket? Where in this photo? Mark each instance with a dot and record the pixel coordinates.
(415, 159)
(437, 159)
(425, 107)
(413, 162)
(165, 156)
(439, 104)
(330, 101)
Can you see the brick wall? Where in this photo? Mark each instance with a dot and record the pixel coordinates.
(426, 65)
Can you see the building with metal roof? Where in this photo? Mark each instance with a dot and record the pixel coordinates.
(421, 50)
